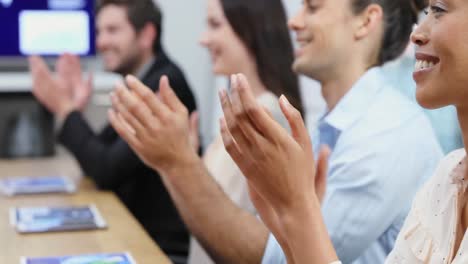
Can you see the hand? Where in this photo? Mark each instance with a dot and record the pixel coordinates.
(69, 69)
(156, 128)
(280, 167)
(53, 92)
(194, 132)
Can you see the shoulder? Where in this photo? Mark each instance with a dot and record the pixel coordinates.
(424, 235)
(270, 101)
(176, 78)
(395, 109)
(439, 186)
(444, 169)
(392, 119)
(165, 66)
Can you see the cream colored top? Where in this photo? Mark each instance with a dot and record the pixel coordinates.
(429, 233)
(223, 169)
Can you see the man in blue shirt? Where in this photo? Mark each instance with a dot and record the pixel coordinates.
(383, 149)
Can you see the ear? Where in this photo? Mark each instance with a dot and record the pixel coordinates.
(368, 21)
(147, 36)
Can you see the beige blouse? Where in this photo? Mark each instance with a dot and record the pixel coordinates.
(228, 175)
(429, 233)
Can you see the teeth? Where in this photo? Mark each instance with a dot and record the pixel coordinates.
(421, 65)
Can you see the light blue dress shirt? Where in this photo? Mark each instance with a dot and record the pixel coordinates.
(383, 150)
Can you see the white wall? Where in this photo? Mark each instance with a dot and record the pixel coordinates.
(184, 21)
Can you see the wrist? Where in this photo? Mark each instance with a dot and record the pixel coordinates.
(184, 162)
(298, 211)
(304, 225)
(65, 110)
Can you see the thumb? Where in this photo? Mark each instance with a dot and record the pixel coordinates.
(322, 172)
(298, 128)
(194, 117)
(193, 129)
(90, 81)
(168, 96)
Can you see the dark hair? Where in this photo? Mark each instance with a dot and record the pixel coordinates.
(140, 13)
(399, 18)
(262, 27)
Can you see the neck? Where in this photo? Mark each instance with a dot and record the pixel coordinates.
(258, 87)
(139, 64)
(335, 86)
(146, 59)
(463, 121)
(462, 114)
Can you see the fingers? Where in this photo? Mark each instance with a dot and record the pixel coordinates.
(241, 118)
(83, 92)
(89, 82)
(152, 102)
(193, 128)
(123, 128)
(194, 117)
(298, 128)
(169, 97)
(41, 77)
(132, 110)
(37, 66)
(322, 172)
(230, 122)
(259, 119)
(230, 144)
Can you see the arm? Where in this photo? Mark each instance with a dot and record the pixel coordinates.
(228, 233)
(282, 171)
(65, 94)
(157, 129)
(105, 157)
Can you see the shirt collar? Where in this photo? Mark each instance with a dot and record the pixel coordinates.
(349, 109)
(356, 101)
(141, 73)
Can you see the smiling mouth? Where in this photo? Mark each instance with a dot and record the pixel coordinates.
(423, 65)
(303, 43)
(425, 62)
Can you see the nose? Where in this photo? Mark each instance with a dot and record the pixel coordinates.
(204, 39)
(420, 36)
(101, 41)
(297, 21)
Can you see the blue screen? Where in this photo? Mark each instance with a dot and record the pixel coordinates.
(46, 27)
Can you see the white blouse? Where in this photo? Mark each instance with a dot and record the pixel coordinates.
(226, 173)
(429, 233)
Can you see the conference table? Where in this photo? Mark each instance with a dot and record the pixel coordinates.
(124, 233)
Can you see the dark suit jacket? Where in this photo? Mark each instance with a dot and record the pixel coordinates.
(110, 162)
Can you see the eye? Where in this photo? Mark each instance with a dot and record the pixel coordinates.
(437, 9)
(311, 6)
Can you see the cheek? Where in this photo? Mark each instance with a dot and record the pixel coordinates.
(453, 51)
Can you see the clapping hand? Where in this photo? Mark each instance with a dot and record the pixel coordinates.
(63, 92)
(156, 127)
(280, 168)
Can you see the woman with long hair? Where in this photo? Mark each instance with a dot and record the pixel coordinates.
(242, 36)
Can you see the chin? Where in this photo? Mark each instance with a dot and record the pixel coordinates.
(218, 69)
(299, 67)
(110, 67)
(429, 100)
